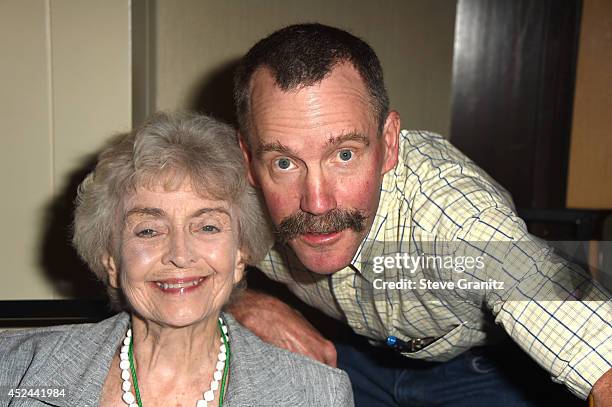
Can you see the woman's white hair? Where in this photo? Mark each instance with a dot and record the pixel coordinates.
(167, 150)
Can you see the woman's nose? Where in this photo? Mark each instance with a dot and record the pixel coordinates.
(179, 251)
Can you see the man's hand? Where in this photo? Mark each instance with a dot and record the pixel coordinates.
(602, 391)
(278, 324)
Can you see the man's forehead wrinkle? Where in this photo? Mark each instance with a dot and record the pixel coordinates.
(342, 86)
(307, 120)
(273, 121)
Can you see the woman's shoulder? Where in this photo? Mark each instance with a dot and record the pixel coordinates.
(313, 381)
(34, 354)
(38, 339)
(243, 338)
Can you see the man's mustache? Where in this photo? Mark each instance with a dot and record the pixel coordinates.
(333, 221)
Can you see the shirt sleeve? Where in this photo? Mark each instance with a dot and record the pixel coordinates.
(314, 289)
(550, 307)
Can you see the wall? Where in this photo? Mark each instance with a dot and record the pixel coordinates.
(196, 42)
(66, 86)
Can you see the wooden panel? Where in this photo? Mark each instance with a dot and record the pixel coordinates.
(513, 81)
(590, 170)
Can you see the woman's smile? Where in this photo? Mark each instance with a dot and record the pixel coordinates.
(179, 285)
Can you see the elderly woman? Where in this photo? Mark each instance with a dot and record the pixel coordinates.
(168, 223)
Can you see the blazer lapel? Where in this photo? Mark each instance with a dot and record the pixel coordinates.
(254, 378)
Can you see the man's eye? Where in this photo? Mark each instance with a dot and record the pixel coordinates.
(283, 163)
(345, 155)
(146, 233)
(210, 229)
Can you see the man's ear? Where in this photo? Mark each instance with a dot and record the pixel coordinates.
(239, 266)
(248, 159)
(390, 136)
(111, 269)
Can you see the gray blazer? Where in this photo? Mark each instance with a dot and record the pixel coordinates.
(77, 358)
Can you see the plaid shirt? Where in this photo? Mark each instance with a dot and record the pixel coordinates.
(438, 202)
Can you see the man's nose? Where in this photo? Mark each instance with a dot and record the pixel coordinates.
(179, 252)
(318, 195)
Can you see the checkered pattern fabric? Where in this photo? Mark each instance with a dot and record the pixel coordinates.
(438, 202)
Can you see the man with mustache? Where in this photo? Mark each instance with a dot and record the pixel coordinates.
(342, 184)
(304, 223)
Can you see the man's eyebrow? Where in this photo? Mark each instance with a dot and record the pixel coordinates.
(352, 136)
(276, 146)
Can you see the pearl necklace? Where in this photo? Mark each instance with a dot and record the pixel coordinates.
(128, 371)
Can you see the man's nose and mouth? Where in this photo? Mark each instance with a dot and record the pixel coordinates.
(317, 230)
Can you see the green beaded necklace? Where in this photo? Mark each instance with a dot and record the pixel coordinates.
(223, 379)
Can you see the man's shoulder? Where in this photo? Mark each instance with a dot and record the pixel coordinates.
(429, 155)
(423, 142)
(444, 188)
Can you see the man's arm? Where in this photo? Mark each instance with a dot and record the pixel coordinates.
(553, 311)
(550, 307)
(278, 324)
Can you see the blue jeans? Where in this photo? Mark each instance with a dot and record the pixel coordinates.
(499, 375)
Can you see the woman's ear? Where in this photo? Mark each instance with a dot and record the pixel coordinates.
(239, 266)
(111, 269)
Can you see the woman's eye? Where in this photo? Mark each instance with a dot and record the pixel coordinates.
(283, 163)
(210, 229)
(146, 233)
(345, 155)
